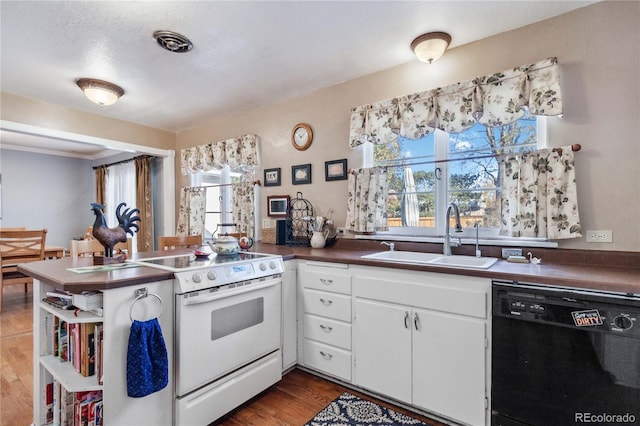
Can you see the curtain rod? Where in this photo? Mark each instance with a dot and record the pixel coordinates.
(123, 161)
(217, 185)
(575, 148)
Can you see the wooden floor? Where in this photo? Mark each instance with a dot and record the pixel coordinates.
(291, 402)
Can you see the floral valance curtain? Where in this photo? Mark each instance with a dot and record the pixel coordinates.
(191, 213)
(236, 152)
(367, 200)
(539, 195)
(492, 100)
(243, 207)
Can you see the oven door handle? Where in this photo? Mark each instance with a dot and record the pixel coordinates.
(228, 293)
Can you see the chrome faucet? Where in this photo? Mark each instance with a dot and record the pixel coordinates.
(392, 246)
(446, 250)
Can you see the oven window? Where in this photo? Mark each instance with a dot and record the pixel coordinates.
(234, 318)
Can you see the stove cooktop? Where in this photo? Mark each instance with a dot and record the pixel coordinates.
(193, 273)
(187, 262)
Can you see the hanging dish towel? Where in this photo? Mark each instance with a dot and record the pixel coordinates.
(147, 361)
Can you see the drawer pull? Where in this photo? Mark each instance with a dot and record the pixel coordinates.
(326, 281)
(406, 319)
(326, 328)
(326, 355)
(326, 302)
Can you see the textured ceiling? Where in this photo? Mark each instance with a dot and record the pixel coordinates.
(246, 54)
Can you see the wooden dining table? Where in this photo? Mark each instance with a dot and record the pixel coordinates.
(53, 252)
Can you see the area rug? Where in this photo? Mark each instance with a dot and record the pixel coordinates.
(349, 410)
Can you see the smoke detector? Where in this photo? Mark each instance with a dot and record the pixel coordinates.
(173, 42)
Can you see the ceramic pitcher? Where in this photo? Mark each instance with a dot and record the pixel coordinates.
(319, 238)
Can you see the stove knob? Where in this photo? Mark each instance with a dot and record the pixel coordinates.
(262, 267)
(272, 265)
(623, 322)
(196, 278)
(211, 275)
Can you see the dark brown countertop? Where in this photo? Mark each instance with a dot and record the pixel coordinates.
(57, 273)
(594, 271)
(622, 279)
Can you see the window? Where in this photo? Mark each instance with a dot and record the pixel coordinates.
(426, 175)
(218, 208)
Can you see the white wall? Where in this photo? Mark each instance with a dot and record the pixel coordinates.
(599, 56)
(47, 191)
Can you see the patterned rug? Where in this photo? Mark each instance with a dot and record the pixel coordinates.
(349, 410)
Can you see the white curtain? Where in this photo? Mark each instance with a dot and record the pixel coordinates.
(494, 100)
(367, 200)
(243, 207)
(191, 213)
(120, 188)
(539, 195)
(238, 153)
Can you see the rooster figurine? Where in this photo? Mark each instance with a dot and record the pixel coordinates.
(109, 237)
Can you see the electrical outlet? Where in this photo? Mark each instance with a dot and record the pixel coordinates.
(511, 252)
(599, 237)
(266, 223)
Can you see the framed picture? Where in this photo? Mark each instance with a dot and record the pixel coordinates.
(335, 170)
(277, 205)
(272, 177)
(301, 174)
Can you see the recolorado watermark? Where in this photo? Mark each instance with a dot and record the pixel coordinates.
(604, 418)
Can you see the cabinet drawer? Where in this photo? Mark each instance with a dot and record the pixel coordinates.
(329, 359)
(330, 305)
(327, 281)
(328, 331)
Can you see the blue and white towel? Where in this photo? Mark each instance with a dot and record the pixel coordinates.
(147, 360)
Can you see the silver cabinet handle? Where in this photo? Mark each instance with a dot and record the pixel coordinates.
(326, 302)
(326, 355)
(406, 319)
(326, 328)
(416, 321)
(326, 281)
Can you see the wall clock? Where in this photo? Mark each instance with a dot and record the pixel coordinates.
(301, 136)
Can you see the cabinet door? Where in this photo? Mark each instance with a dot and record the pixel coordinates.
(449, 365)
(382, 348)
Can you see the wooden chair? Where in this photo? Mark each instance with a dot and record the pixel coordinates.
(179, 241)
(92, 247)
(18, 247)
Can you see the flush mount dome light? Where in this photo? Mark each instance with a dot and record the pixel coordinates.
(173, 42)
(99, 91)
(430, 47)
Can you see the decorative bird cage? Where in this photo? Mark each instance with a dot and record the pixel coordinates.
(299, 216)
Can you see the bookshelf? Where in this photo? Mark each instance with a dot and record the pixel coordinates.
(50, 372)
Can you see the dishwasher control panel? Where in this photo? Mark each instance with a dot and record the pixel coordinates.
(565, 308)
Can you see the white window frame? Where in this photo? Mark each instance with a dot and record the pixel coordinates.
(489, 235)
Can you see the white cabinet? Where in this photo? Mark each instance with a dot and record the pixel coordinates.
(325, 318)
(422, 338)
(289, 323)
(118, 408)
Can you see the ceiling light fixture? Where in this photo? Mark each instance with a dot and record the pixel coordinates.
(430, 47)
(99, 91)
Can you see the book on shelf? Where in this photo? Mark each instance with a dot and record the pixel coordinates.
(98, 339)
(58, 302)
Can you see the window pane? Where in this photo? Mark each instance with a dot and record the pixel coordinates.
(468, 171)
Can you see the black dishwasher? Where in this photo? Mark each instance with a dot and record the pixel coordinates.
(564, 356)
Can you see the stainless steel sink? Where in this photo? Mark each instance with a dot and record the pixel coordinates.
(433, 259)
(402, 256)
